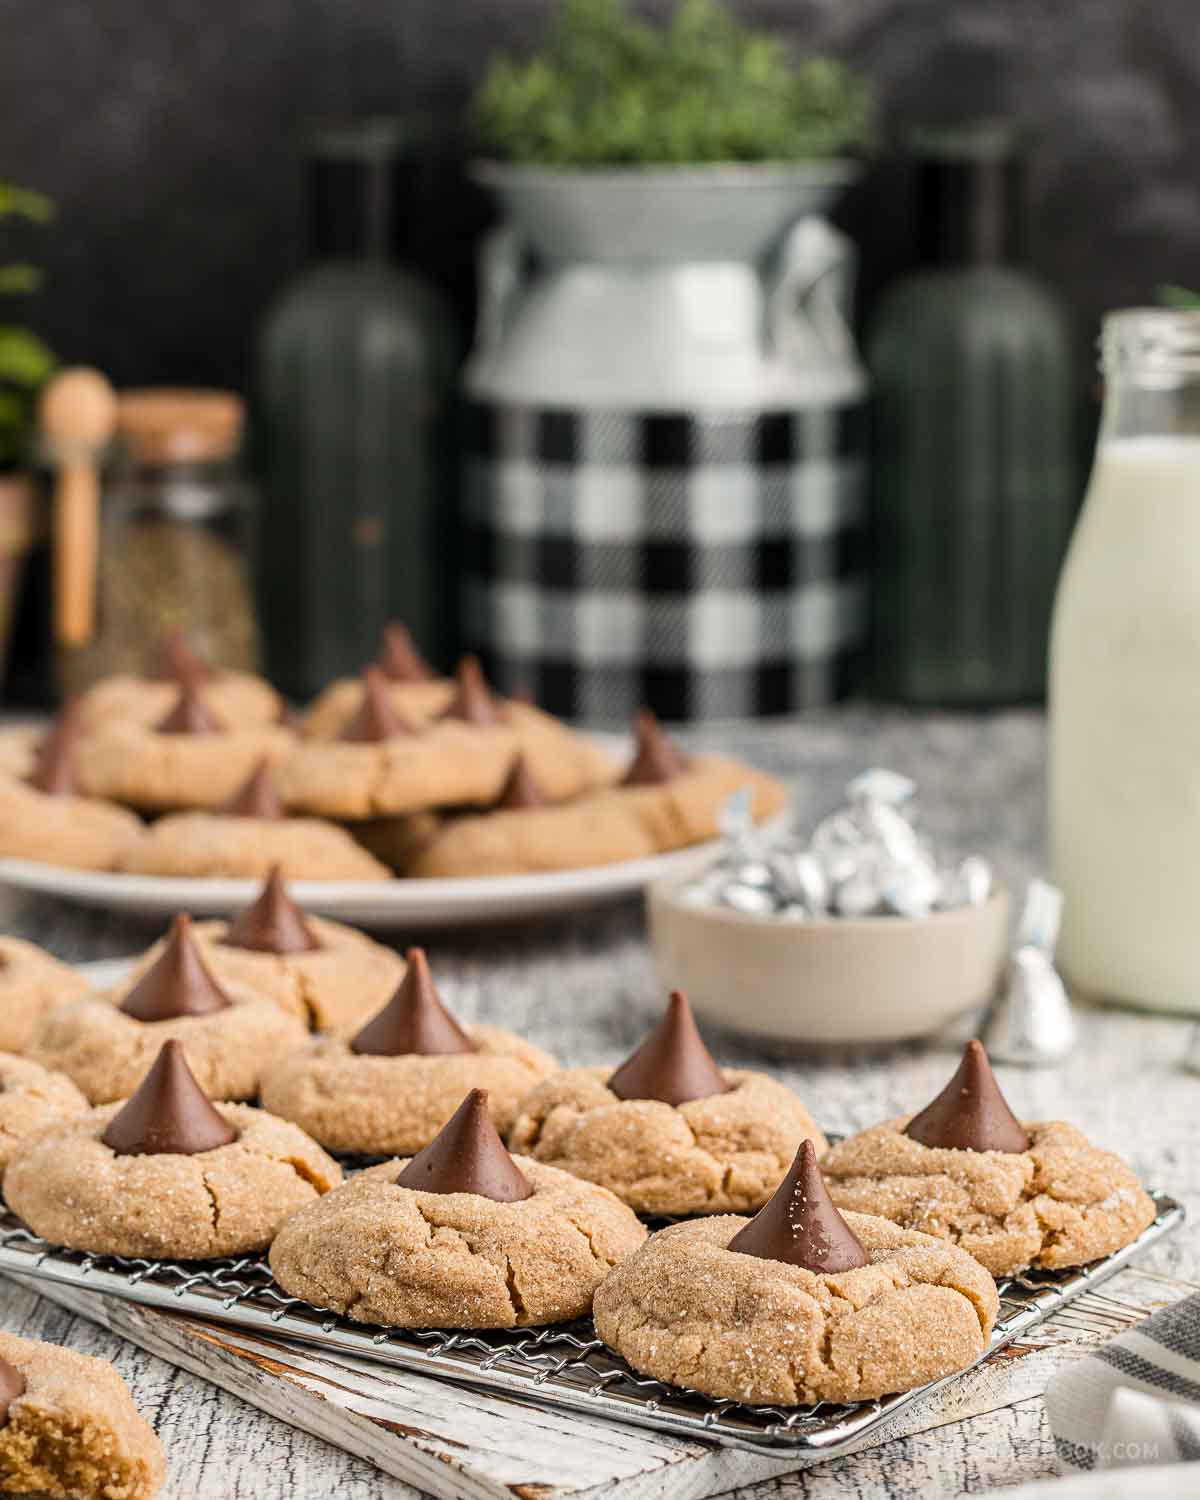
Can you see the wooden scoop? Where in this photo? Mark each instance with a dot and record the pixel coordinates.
(78, 414)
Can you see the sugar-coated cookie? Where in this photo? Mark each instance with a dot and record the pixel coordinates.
(798, 1305)
(1014, 1194)
(469, 1236)
(669, 1132)
(31, 983)
(414, 690)
(32, 1098)
(391, 1086)
(167, 1174)
(69, 1429)
(105, 1042)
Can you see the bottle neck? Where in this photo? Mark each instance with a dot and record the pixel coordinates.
(354, 204)
(967, 211)
(1151, 366)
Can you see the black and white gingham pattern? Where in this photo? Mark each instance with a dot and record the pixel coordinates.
(711, 566)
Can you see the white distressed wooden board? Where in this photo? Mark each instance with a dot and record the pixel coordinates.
(459, 1444)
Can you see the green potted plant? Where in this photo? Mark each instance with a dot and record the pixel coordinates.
(25, 362)
(664, 261)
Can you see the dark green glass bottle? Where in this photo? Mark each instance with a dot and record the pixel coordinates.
(974, 489)
(356, 386)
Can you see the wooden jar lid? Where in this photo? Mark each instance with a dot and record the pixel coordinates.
(164, 425)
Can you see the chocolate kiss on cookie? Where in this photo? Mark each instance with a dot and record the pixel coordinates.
(800, 1225)
(970, 1114)
(256, 797)
(520, 790)
(169, 1113)
(655, 758)
(12, 1385)
(176, 661)
(190, 714)
(177, 983)
(467, 1156)
(398, 659)
(272, 923)
(376, 719)
(672, 1064)
(53, 767)
(414, 1022)
(473, 701)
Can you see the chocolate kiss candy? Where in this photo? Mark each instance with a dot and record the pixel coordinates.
(656, 759)
(672, 1064)
(53, 768)
(970, 1114)
(800, 1225)
(473, 701)
(376, 719)
(169, 1114)
(521, 790)
(272, 923)
(467, 1156)
(176, 661)
(414, 1022)
(190, 715)
(256, 797)
(12, 1385)
(398, 659)
(177, 983)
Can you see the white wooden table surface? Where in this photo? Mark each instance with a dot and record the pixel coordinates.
(583, 987)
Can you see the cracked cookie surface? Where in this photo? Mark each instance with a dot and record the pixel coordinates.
(73, 1190)
(686, 1309)
(78, 833)
(74, 1434)
(726, 1153)
(390, 1255)
(238, 699)
(208, 844)
(351, 1101)
(31, 983)
(32, 1098)
(1063, 1202)
(106, 1053)
(348, 978)
(417, 703)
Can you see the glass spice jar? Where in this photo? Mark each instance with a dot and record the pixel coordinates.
(176, 537)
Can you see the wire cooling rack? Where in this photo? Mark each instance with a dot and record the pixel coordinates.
(567, 1366)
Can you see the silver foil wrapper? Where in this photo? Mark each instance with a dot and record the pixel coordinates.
(1031, 1022)
(868, 859)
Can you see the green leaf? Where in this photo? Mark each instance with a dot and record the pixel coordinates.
(609, 88)
(19, 279)
(26, 203)
(1178, 297)
(24, 358)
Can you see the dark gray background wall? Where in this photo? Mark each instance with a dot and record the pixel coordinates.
(168, 133)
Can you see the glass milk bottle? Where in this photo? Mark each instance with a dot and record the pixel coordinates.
(1125, 680)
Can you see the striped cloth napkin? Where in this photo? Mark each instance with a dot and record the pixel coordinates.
(1135, 1401)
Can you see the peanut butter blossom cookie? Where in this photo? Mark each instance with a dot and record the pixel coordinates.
(190, 757)
(167, 1174)
(386, 762)
(69, 1429)
(246, 837)
(31, 983)
(461, 1236)
(46, 818)
(967, 1170)
(410, 684)
(32, 1098)
(665, 801)
(391, 1086)
(238, 698)
(797, 1305)
(669, 1132)
(230, 1032)
(323, 973)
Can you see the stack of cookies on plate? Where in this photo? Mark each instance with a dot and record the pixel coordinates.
(281, 1085)
(190, 771)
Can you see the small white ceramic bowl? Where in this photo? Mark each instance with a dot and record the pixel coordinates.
(843, 979)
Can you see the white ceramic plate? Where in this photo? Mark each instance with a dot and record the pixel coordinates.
(386, 905)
